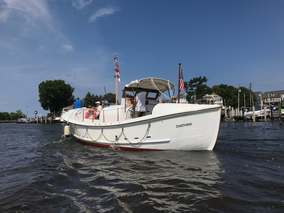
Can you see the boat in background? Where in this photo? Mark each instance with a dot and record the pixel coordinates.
(258, 114)
(165, 126)
(22, 121)
(282, 108)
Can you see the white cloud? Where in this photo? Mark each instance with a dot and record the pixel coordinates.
(4, 15)
(101, 13)
(30, 9)
(68, 47)
(31, 19)
(80, 4)
(34, 48)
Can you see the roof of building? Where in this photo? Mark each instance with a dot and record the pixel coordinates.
(276, 93)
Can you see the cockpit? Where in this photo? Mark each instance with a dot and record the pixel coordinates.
(141, 96)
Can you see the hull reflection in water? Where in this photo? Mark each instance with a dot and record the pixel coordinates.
(164, 181)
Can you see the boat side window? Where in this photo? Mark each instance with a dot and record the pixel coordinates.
(151, 101)
(128, 94)
(152, 95)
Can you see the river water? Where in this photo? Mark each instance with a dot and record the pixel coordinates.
(40, 172)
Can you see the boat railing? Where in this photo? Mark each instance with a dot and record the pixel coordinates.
(109, 114)
(113, 114)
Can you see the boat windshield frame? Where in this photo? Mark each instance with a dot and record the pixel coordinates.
(136, 90)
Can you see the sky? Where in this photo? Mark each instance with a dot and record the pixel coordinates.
(229, 41)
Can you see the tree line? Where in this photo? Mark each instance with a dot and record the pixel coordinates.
(54, 95)
(197, 87)
(91, 99)
(11, 116)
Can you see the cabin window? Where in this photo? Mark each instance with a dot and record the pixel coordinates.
(128, 94)
(152, 95)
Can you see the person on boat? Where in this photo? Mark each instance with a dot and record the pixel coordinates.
(77, 103)
(99, 108)
(129, 107)
(140, 103)
(174, 99)
(90, 113)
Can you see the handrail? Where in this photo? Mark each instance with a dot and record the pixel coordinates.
(152, 118)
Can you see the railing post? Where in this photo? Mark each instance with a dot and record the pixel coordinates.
(103, 116)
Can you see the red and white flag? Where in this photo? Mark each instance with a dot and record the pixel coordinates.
(116, 68)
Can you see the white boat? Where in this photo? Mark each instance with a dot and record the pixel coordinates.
(258, 113)
(166, 126)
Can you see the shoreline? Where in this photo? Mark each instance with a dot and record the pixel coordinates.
(8, 121)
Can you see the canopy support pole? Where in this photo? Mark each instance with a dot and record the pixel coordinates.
(179, 76)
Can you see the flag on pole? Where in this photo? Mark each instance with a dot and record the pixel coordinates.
(181, 82)
(116, 68)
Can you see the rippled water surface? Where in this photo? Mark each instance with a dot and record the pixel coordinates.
(40, 172)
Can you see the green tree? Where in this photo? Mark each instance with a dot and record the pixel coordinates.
(16, 115)
(4, 116)
(54, 95)
(12, 115)
(89, 100)
(110, 97)
(230, 95)
(196, 88)
(20, 114)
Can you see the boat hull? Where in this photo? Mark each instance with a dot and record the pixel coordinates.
(195, 130)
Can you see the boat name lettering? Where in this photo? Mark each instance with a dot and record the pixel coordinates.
(183, 125)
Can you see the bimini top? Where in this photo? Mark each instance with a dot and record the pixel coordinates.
(151, 84)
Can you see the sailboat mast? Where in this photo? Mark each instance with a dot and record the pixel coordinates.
(250, 100)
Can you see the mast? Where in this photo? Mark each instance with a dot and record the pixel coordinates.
(239, 91)
(244, 100)
(116, 78)
(105, 91)
(250, 100)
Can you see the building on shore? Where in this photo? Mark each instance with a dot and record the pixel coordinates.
(266, 105)
(273, 97)
(270, 102)
(212, 99)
